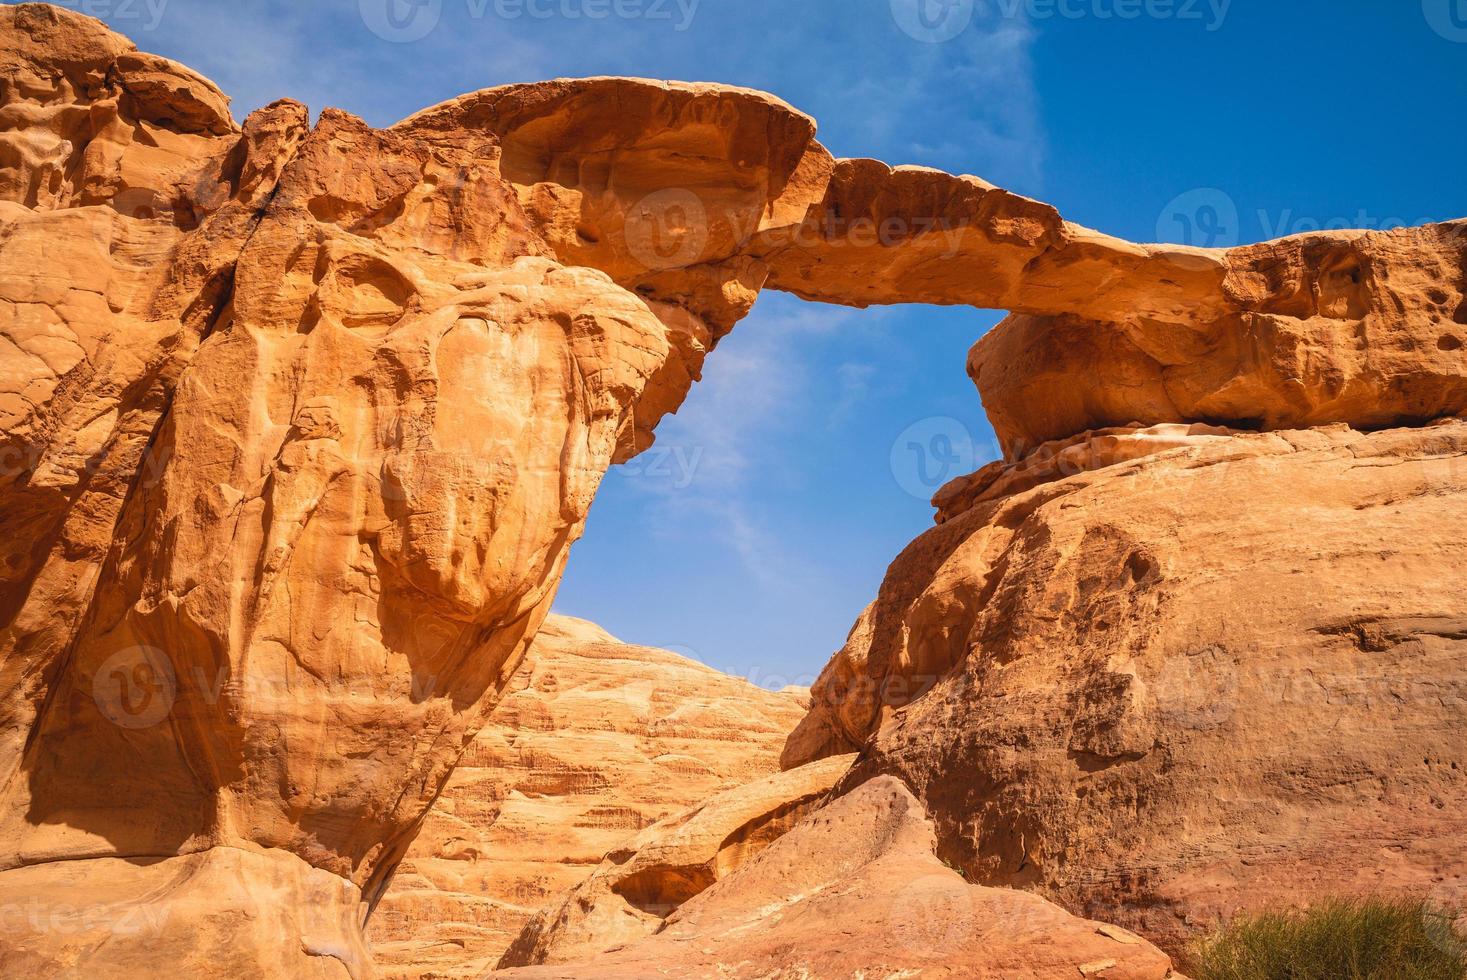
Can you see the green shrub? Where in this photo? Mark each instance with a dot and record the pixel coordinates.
(1338, 939)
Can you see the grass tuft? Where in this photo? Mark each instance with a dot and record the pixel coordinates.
(1337, 939)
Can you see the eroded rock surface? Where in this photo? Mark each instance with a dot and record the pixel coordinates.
(1229, 675)
(855, 890)
(1364, 328)
(593, 741)
(649, 877)
(304, 421)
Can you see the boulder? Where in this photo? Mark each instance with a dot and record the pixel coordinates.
(855, 890)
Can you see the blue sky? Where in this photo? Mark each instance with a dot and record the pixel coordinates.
(765, 522)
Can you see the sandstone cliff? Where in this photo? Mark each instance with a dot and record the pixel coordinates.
(594, 741)
(300, 422)
(303, 422)
(1228, 675)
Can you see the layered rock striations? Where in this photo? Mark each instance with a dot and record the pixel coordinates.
(651, 876)
(300, 422)
(594, 741)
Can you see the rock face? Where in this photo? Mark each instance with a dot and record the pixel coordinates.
(1365, 328)
(644, 881)
(855, 890)
(300, 422)
(1228, 675)
(593, 741)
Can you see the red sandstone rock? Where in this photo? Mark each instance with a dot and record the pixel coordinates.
(855, 890)
(1227, 676)
(306, 423)
(648, 878)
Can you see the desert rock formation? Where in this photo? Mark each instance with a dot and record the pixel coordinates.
(304, 422)
(855, 890)
(1222, 676)
(644, 881)
(594, 741)
(300, 422)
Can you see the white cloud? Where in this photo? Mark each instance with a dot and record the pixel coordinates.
(735, 430)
